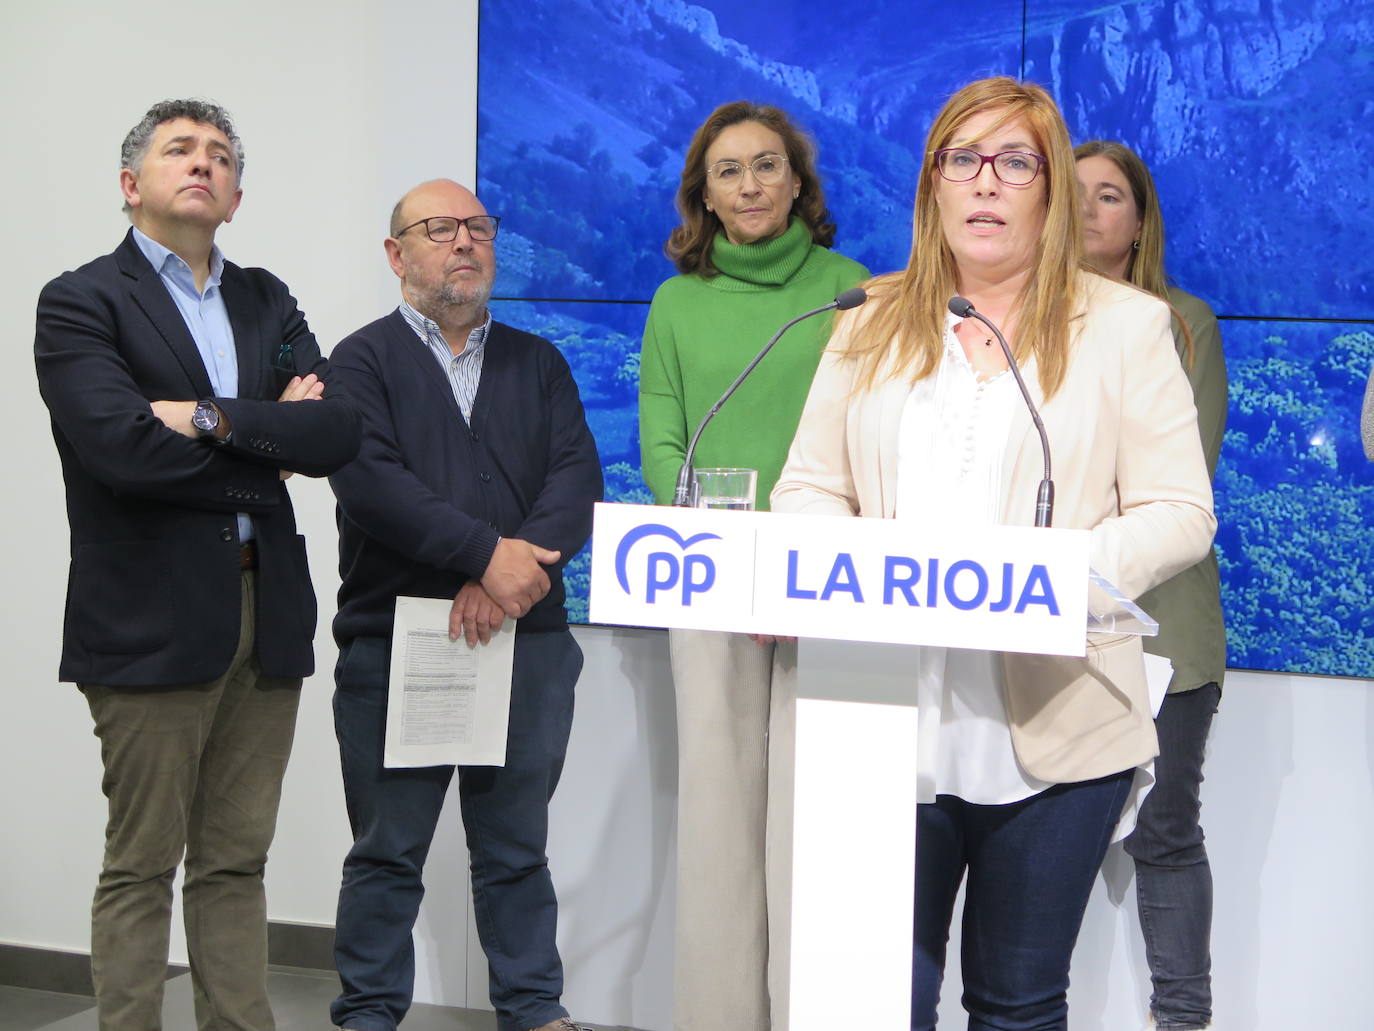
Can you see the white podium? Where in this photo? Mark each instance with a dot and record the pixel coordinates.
(832, 582)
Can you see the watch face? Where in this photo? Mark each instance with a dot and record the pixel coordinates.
(205, 417)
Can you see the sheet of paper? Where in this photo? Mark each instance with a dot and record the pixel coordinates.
(1158, 672)
(447, 703)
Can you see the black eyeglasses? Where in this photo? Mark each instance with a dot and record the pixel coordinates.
(444, 228)
(1013, 167)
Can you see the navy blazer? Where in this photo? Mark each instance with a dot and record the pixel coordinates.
(153, 591)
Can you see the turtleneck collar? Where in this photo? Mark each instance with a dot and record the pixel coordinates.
(769, 263)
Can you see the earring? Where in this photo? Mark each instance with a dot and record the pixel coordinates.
(1135, 245)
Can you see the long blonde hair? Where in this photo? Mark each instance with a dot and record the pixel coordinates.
(902, 331)
(1145, 267)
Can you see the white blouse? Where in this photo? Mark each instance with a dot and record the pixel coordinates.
(950, 446)
(951, 442)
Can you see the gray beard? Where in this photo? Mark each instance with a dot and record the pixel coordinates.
(451, 297)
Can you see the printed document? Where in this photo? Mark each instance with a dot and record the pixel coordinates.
(447, 703)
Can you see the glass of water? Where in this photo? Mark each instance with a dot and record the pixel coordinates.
(727, 488)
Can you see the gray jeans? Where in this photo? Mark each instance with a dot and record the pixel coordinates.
(1173, 878)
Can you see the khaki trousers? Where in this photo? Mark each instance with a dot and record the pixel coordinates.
(193, 770)
(736, 712)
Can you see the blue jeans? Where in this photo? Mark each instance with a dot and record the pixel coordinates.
(1030, 867)
(1172, 877)
(393, 814)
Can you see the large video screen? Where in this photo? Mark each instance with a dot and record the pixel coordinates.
(1246, 115)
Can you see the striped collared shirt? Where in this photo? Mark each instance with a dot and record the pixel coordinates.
(464, 371)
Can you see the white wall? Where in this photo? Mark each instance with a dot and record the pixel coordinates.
(342, 109)
(611, 846)
(1286, 807)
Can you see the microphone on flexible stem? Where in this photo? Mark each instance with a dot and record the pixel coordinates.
(684, 492)
(1044, 498)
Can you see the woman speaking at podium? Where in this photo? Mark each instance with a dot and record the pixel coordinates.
(753, 251)
(1024, 761)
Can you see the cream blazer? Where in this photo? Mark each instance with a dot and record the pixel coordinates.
(1127, 465)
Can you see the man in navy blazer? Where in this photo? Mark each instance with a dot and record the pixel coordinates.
(475, 482)
(183, 391)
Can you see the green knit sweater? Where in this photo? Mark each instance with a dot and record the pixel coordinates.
(702, 332)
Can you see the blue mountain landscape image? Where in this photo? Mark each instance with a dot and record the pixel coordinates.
(1255, 119)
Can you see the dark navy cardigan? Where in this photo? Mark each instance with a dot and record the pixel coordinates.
(421, 507)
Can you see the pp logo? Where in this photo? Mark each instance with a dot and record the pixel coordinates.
(666, 570)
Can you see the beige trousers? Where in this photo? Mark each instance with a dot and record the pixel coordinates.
(736, 711)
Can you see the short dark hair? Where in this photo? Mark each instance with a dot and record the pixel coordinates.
(689, 245)
(135, 146)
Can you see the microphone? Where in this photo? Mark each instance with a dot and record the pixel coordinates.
(851, 298)
(683, 493)
(1044, 498)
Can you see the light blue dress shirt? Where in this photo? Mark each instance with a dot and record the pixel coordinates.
(208, 320)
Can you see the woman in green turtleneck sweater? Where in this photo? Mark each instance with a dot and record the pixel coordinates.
(753, 252)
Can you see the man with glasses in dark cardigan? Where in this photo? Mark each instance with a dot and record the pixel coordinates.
(475, 484)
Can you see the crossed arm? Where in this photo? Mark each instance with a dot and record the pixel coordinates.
(176, 415)
(95, 376)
